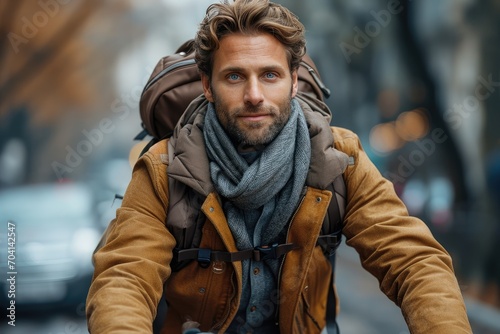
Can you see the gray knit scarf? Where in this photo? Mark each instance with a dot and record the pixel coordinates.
(259, 197)
(262, 196)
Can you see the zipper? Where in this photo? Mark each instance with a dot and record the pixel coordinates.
(170, 68)
(316, 78)
(276, 314)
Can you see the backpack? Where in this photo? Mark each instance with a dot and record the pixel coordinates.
(174, 83)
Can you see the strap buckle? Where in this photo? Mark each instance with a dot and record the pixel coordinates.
(265, 252)
(204, 257)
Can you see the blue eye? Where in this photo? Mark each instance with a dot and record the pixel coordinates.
(270, 75)
(233, 76)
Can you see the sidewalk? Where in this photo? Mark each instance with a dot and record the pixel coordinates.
(364, 309)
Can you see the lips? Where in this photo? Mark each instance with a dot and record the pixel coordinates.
(254, 117)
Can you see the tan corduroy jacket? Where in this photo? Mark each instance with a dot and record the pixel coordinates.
(132, 267)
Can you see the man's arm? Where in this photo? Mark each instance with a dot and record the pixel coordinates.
(133, 263)
(413, 269)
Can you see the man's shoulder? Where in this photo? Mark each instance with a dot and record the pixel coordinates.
(157, 153)
(346, 141)
(160, 147)
(343, 136)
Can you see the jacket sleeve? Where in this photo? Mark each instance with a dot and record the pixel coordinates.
(412, 268)
(133, 261)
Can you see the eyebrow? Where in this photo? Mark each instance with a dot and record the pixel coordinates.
(269, 68)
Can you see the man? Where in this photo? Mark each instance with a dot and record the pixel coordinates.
(256, 161)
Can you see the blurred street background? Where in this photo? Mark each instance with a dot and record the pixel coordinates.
(419, 81)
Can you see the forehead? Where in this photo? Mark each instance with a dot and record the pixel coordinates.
(250, 51)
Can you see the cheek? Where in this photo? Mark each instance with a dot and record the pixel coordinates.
(224, 102)
(221, 112)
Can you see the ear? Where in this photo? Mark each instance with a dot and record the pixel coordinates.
(295, 82)
(207, 90)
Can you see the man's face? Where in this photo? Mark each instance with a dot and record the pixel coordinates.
(251, 87)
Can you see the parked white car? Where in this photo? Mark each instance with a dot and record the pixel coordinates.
(55, 232)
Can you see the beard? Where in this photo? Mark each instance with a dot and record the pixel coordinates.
(257, 133)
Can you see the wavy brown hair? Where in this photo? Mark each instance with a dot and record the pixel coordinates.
(248, 17)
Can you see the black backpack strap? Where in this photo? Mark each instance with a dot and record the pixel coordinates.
(205, 255)
(331, 231)
(331, 305)
(330, 240)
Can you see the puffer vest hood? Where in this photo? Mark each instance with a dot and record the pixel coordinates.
(189, 162)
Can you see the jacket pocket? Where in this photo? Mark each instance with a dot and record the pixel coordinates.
(186, 291)
(309, 323)
(202, 294)
(314, 295)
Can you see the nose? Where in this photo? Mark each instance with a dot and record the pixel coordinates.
(253, 92)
